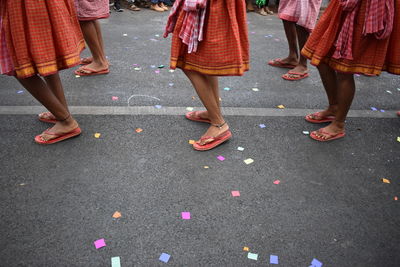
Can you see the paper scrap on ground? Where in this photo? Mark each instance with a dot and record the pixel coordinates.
(235, 193)
(100, 243)
(171, 71)
(252, 256)
(192, 142)
(164, 257)
(273, 259)
(246, 249)
(171, 84)
(139, 130)
(77, 76)
(115, 262)
(389, 92)
(248, 161)
(157, 71)
(115, 98)
(227, 88)
(374, 109)
(206, 167)
(262, 126)
(306, 132)
(316, 263)
(281, 106)
(221, 158)
(255, 89)
(117, 215)
(382, 110)
(137, 68)
(277, 182)
(189, 109)
(386, 181)
(158, 106)
(398, 139)
(97, 135)
(240, 148)
(396, 198)
(161, 66)
(186, 215)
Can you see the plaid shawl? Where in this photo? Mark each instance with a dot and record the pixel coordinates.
(378, 21)
(192, 33)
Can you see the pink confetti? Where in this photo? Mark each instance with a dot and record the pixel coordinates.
(277, 182)
(100, 243)
(186, 215)
(235, 193)
(157, 71)
(221, 158)
(114, 98)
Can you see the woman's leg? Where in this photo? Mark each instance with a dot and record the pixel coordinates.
(205, 87)
(213, 82)
(330, 83)
(291, 36)
(302, 36)
(42, 92)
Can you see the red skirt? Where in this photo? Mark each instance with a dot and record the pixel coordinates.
(42, 36)
(370, 55)
(224, 50)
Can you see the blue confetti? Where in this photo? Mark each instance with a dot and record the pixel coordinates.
(20, 92)
(262, 126)
(158, 106)
(382, 110)
(165, 257)
(273, 259)
(316, 263)
(374, 109)
(227, 88)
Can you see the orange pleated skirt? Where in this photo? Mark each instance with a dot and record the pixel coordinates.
(370, 55)
(224, 50)
(42, 36)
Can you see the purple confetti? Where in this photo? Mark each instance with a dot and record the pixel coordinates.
(262, 126)
(221, 158)
(374, 109)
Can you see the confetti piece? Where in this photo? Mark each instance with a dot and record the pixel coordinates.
(227, 88)
(306, 132)
(382, 110)
(253, 32)
(248, 161)
(153, 66)
(386, 181)
(390, 92)
(97, 135)
(186, 215)
(281, 106)
(273, 259)
(154, 40)
(172, 71)
(117, 215)
(189, 109)
(277, 182)
(139, 130)
(137, 69)
(77, 76)
(157, 71)
(193, 97)
(235, 193)
(192, 142)
(398, 139)
(358, 75)
(115, 98)
(395, 198)
(164, 257)
(252, 256)
(157, 35)
(262, 126)
(115, 262)
(374, 109)
(20, 92)
(206, 167)
(221, 158)
(125, 34)
(161, 66)
(100, 243)
(255, 89)
(316, 263)
(398, 89)
(246, 249)
(240, 148)
(171, 84)
(23, 184)
(158, 106)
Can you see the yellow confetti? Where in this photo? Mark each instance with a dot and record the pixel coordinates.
(248, 161)
(97, 135)
(398, 139)
(117, 215)
(192, 142)
(246, 249)
(77, 76)
(139, 130)
(206, 167)
(281, 106)
(386, 181)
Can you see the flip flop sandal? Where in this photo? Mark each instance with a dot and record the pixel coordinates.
(213, 142)
(47, 114)
(134, 8)
(298, 76)
(321, 120)
(58, 137)
(194, 117)
(277, 62)
(330, 136)
(92, 71)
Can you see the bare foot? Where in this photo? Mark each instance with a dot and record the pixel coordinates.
(330, 111)
(95, 66)
(290, 60)
(332, 129)
(61, 127)
(47, 116)
(213, 131)
(202, 114)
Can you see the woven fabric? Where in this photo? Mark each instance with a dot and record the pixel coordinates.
(43, 36)
(304, 13)
(6, 65)
(225, 47)
(92, 9)
(370, 55)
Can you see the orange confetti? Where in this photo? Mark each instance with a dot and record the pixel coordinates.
(139, 130)
(192, 142)
(395, 198)
(386, 181)
(246, 249)
(97, 135)
(281, 106)
(117, 215)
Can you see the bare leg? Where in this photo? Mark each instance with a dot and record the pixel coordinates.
(345, 95)
(329, 80)
(249, 6)
(291, 36)
(41, 91)
(213, 82)
(302, 36)
(207, 96)
(92, 38)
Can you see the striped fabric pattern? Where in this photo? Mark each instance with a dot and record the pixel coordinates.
(6, 65)
(43, 36)
(92, 9)
(224, 50)
(304, 13)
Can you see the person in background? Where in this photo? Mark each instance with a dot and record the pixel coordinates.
(117, 6)
(55, 44)
(249, 6)
(351, 37)
(299, 18)
(158, 5)
(89, 12)
(216, 46)
(263, 7)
